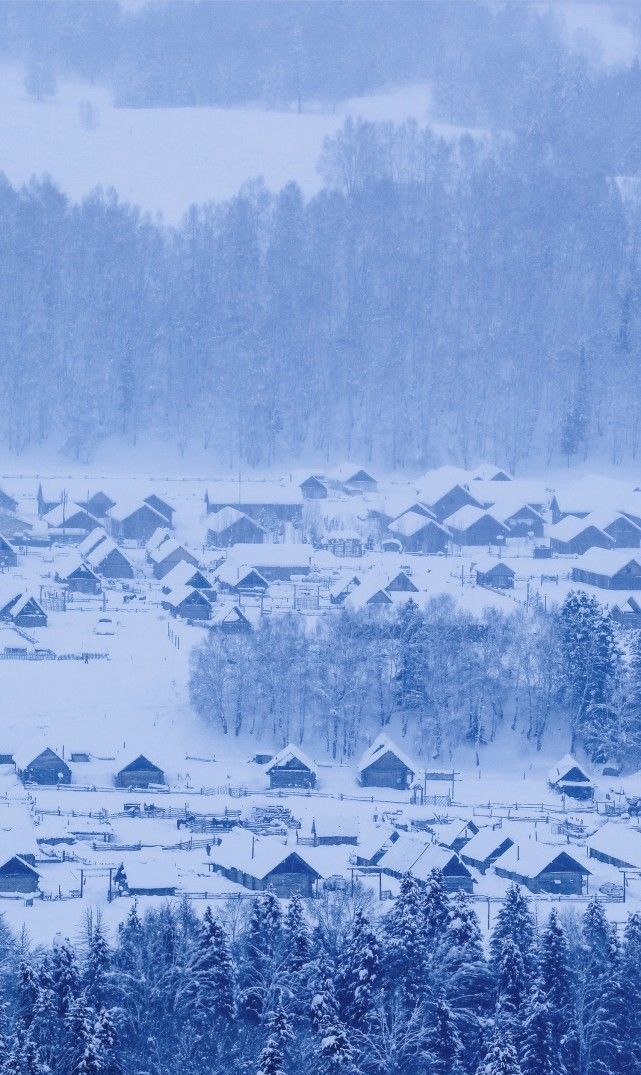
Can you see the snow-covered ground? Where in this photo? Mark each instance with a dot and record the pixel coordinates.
(206, 153)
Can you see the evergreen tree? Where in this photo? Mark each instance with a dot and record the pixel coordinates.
(435, 907)
(210, 992)
(556, 986)
(406, 947)
(512, 986)
(358, 979)
(298, 948)
(514, 922)
(602, 1030)
(631, 985)
(272, 1058)
(97, 964)
(443, 1042)
(538, 1053)
(501, 1058)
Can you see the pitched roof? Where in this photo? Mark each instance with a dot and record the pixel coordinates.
(530, 858)
(607, 561)
(226, 517)
(381, 745)
(411, 523)
(346, 472)
(468, 515)
(92, 540)
(62, 513)
(125, 508)
(486, 842)
(618, 840)
(559, 771)
(289, 753)
(139, 764)
(254, 855)
(98, 555)
(570, 527)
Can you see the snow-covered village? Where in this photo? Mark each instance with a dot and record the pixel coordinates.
(320, 537)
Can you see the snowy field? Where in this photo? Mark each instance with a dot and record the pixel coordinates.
(225, 147)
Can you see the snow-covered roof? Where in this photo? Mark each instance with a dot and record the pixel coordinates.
(468, 515)
(176, 596)
(604, 517)
(160, 534)
(221, 520)
(231, 573)
(254, 492)
(98, 555)
(62, 513)
(289, 753)
(92, 540)
(529, 858)
(255, 855)
(570, 527)
(125, 508)
(436, 483)
(559, 771)
(405, 852)
(486, 842)
(66, 566)
(372, 839)
(485, 563)
(181, 574)
(165, 549)
(607, 561)
(381, 745)
(346, 472)
(489, 472)
(619, 841)
(504, 508)
(411, 523)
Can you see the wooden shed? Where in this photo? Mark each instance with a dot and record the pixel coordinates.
(609, 569)
(258, 864)
(47, 769)
(313, 488)
(617, 844)
(98, 504)
(110, 562)
(496, 574)
(188, 603)
(572, 537)
(420, 856)
(170, 553)
(78, 577)
(22, 610)
(135, 522)
(19, 874)
(162, 507)
(488, 845)
(229, 526)
(544, 868)
(140, 773)
(419, 534)
(291, 768)
(569, 778)
(384, 765)
(475, 526)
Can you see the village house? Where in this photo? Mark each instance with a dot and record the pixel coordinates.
(92, 540)
(569, 503)
(108, 561)
(273, 562)
(8, 555)
(495, 573)
(544, 868)
(353, 477)
(184, 574)
(455, 834)
(98, 504)
(411, 854)
(7, 503)
(522, 520)
(162, 507)
(373, 844)
(231, 527)
(170, 553)
(134, 521)
(291, 768)
(313, 488)
(22, 610)
(46, 769)
(240, 578)
(150, 878)
(400, 582)
(483, 849)
(269, 502)
(69, 521)
(419, 534)
(140, 773)
(446, 494)
(230, 619)
(78, 577)
(188, 603)
(258, 864)
(572, 537)
(475, 526)
(19, 874)
(617, 844)
(384, 765)
(569, 778)
(625, 533)
(609, 569)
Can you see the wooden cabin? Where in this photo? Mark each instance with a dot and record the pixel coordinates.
(271, 502)
(188, 603)
(483, 850)
(313, 488)
(258, 864)
(184, 574)
(140, 773)
(110, 562)
(47, 769)
(522, 520)
(609, 569)
(69, 521)
(496, 574)
(8, 555)
(135, 522)
(162, 507)
(98, 504)
(170, 553)
(627, 613)
(543, 868)
(374, 843)
(79, 578)
(420, 857)
(572, 537)
(569, 778)
(23, 610)
(229, 527)
(475, 526)
(419, 534)
(333, 832)
(384, 765)
(291, 768)
(230, 620)
(19, 874)
(617, 844)
(353, 477)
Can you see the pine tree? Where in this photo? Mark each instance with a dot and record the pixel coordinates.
(602, 1008)
(514, 922)
(443, 1042)
(631, 983)
(538, 1053)
(406, 947)
(28, 989)
(298, 948)
(358, 980)
(210, 992)
(97, 964)
(467, 982)
(556, 986)
(511, 986)
(272, 1057)
(435, 907)
(335, 1047)
(501, 1058)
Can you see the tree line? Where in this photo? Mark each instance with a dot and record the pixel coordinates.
(328, 987)
(439, 674)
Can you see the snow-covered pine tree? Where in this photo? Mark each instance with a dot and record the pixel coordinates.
(555, 981)
(406, 947)
(435, 908)
(211, 980)
(511, 987)
(538, 1054)
(501, 1058)
(359, 974)
(97, 964)
(298, 946)
(514, 922)
(631, 987)
(272, 1058)
(443, 1042)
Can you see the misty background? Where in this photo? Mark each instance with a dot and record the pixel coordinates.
(439, 259)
